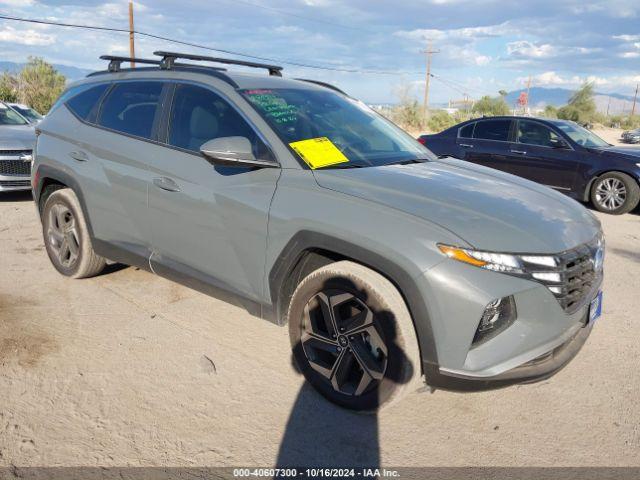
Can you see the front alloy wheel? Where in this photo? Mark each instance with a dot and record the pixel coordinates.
(353, 337)
(341, 342)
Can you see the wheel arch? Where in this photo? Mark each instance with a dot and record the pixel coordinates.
(50, 179)
(308, 251)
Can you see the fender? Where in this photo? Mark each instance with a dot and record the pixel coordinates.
(305, 241)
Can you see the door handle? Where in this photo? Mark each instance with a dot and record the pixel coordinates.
(79, 155)
(466, 145)
(519, 152)
(166, 184)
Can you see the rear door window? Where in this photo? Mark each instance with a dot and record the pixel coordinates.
(492, 130)
(130, 107)
(467, 131)
(84, 102)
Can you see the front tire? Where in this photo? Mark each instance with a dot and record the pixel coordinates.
(353, 338)
(615, 193)
(66, 236)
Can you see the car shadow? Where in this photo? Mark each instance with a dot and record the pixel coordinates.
(322, 434)
(19, 196)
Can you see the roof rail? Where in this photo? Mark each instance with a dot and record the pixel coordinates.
(169, 58)
(115, 61)
(323, 84)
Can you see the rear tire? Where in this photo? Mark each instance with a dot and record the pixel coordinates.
(66, 236)
(353, 337)
(615, 193)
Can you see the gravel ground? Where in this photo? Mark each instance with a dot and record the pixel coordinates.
(130, 369)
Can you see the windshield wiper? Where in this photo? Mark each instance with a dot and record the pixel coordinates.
(408, 162)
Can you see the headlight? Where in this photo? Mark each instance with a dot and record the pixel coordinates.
(498, 262)
(637, 164)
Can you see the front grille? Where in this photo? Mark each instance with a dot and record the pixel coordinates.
(15, 167)
(15, 183)
(578, 276)
(14, 153)
(11, 163)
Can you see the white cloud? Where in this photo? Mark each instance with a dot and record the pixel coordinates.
(523, 48)
(629, 55)
(25, 37)
(468, 33)
(627, 38)
(18, 3)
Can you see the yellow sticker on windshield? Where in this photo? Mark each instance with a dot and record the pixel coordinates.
(318, 152)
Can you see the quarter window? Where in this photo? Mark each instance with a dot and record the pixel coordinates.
(131, 107)
(82, 104)
(492, 130)
(199, 115)
(534, 133)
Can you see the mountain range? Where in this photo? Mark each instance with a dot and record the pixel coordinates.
(71, 73)
(539, 97)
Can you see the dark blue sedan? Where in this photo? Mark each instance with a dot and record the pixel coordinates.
(557, 153)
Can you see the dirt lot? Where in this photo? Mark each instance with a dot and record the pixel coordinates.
(130, 369)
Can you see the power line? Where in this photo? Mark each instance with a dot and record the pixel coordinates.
(204, 47)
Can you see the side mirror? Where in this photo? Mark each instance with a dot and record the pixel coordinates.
(233, 151)
(559, 143)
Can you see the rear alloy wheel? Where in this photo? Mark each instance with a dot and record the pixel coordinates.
(66, 236)
(352, 336)
(615, 193)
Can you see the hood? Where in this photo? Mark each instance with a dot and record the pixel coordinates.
(632, 153)
(488, 209)
(17, 137)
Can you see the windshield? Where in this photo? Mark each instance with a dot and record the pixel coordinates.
(28, 113)
(362, 136)
(9, 117)
(581, 135)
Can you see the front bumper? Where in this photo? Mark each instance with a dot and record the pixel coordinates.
(538, 369)
(12, 183)
(543, 338)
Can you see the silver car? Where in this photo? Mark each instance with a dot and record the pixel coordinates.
(17, 138)
(388, 266)
(29, 114)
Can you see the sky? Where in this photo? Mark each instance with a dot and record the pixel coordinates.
(483, 45)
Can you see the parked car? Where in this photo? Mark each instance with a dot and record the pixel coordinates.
(315, 212)
(30, 114)
(631, 136)
(557, 153)
(17, 137)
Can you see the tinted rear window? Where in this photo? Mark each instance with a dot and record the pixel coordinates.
(467, 131)
(82, 103)
(492, 130)
(131, 107)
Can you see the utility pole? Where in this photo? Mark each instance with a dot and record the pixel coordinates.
(526, 106)
(429, 52)
(633, 109)
(132, 47)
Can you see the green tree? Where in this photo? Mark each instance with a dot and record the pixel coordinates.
(8, 88)
(408, 112)
(440, 120)
(550, 111)
(39, 84)
(581, 107)
(491, 107)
